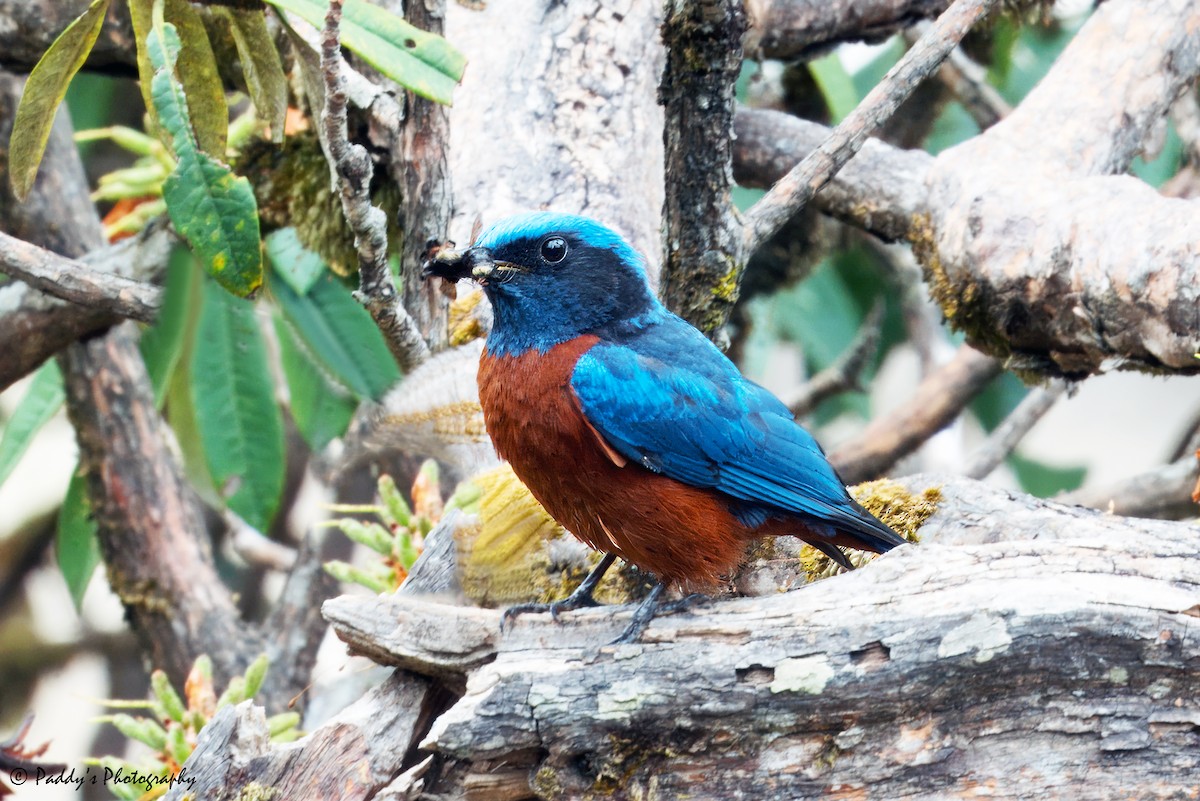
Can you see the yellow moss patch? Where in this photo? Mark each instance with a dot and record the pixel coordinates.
(256, 792)
(903, 511)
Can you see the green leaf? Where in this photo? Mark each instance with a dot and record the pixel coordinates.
(836, 85)
(1044, 480)
(197, 70)
(421, 61)
(162, 343)
(256, 674)
(43, 398)
(238, 421)
(260, 64)
(78, 547)
(998, 399)
(44, 92)
(321, 407)
(293, 262)
(211, 208)
(340, 336)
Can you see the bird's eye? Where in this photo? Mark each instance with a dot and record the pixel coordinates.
(554, 250)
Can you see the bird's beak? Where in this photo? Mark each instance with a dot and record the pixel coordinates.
(480, 262)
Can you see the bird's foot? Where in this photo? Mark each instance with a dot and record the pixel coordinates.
(581, 598)
(651, 606)
(555, 608)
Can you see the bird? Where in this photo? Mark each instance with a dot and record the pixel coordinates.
(630, 427)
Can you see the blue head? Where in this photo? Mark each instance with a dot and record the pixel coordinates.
(553, 277)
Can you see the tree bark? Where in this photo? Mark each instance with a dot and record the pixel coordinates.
(1021, 649)
(1036, 249)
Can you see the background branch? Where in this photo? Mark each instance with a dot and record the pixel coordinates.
(73, 281)
(880, 190)
(377, 291)
(1045, 271)
(940, 397)
(800, 31)
(792, 192)
(1032, 408)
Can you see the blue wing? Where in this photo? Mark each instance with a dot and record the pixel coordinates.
(668, 399)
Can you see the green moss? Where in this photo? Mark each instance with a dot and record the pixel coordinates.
(291, 185)
(625, 758)
(546, 783)
(903, 511)
(964, 303)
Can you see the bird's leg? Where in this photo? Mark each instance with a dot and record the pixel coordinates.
(652, 605)
(577, 600)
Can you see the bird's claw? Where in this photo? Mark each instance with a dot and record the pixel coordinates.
(555, 608)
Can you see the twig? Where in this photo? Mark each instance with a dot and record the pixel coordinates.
(939, 399)
(1165, 491)
(845, 374)
(796, 188)
(377, 291)
(75, 282)
(922, 318)
(967, 81)
(14, 754)
(1000, 444)
(255, 547)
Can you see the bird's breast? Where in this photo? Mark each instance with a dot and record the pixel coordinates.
(682, 534)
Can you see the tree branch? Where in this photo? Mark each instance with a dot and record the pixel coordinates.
(880, 190)
(377, 291)
(940, 398)
(704, 59)
(1032, 408)
(151, 527)
(1165, 491)
(1046, 270)
(419, 164)
(845, 374)
(808, 678)
(967, 81)
(792, 192)
(799, 31)
(32, 25)
(74, 281)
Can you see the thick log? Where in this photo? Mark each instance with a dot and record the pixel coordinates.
(1021, 649)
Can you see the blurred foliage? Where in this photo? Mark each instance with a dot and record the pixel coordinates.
(397, 534)
(173, 724)
(224, 386)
